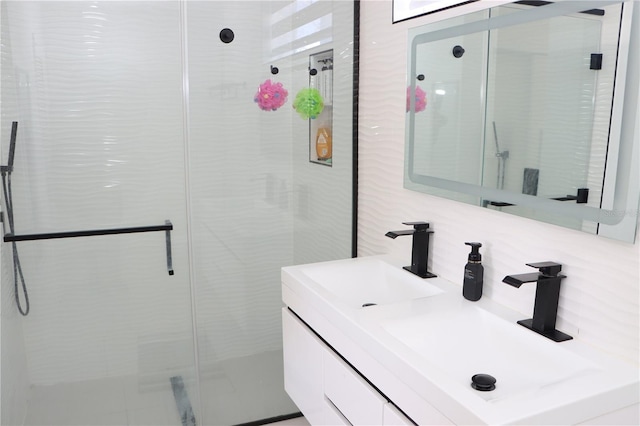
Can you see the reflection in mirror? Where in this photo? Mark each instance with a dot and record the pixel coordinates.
(522, 114)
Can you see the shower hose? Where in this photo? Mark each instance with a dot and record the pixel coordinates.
(17, 269)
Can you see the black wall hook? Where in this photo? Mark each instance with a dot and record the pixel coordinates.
(458, 51)
(313, 71)
(227, 35)
(420, 77)
(274, 70)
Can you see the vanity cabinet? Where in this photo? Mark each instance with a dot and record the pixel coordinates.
(325, 387)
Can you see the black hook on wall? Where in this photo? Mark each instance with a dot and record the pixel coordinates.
(420, 77)
(227, 35)
(274, 70)
(458, 51)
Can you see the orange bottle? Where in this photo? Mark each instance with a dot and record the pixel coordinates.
(323, 143)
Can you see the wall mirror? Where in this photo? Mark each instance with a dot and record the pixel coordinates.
(530, 108)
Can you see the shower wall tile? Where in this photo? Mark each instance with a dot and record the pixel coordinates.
(14, 388)
(322, 195)
(240, 176)
(599, 302)
(248, 209)
(258, 202)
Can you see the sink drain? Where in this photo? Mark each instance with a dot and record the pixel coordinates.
(483, 382)
(364, 305)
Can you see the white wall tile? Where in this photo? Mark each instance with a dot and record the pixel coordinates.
(599, 301)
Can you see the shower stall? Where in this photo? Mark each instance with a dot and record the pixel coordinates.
(142, 115)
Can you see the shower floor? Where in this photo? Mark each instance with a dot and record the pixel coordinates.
(230, 389)
(110, 401)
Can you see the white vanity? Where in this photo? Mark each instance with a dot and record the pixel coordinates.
(407, 356)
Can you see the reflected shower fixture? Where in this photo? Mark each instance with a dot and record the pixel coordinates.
(327, 63)
(502, 159)
(8, 200)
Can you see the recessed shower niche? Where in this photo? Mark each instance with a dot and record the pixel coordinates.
(321, 126)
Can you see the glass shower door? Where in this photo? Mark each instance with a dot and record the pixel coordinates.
(96, 88)
(240, 181)
(257, 202)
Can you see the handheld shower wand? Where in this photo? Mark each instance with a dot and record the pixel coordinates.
(8, 199)
(12, 149)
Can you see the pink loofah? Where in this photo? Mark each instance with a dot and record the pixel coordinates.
(420, 99)
(270, 96)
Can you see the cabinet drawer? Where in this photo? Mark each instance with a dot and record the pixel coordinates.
(360, 403)
(332, 416)
(303, 379)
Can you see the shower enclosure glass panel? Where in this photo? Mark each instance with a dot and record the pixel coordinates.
(257, 202)
(240, 175)
(97, 90)
(134, 113)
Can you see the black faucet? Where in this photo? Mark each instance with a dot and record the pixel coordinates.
(545, 309)
(420, 248)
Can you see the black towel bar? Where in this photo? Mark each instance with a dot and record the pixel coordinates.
(70, 234)
(167, 227)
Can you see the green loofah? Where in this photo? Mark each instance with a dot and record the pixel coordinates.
(308, 103)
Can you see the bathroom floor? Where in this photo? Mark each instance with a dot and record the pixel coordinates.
(299, 421)
(133, 400)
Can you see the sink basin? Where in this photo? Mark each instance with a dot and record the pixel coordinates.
(368, 281)
(462, 340)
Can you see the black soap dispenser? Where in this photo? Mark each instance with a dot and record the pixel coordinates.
(473, 274)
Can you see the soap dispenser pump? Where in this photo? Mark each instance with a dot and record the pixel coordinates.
(473, 274)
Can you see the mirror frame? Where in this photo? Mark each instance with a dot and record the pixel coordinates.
(618, 217)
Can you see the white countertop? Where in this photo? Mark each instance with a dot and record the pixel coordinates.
(402, 342)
